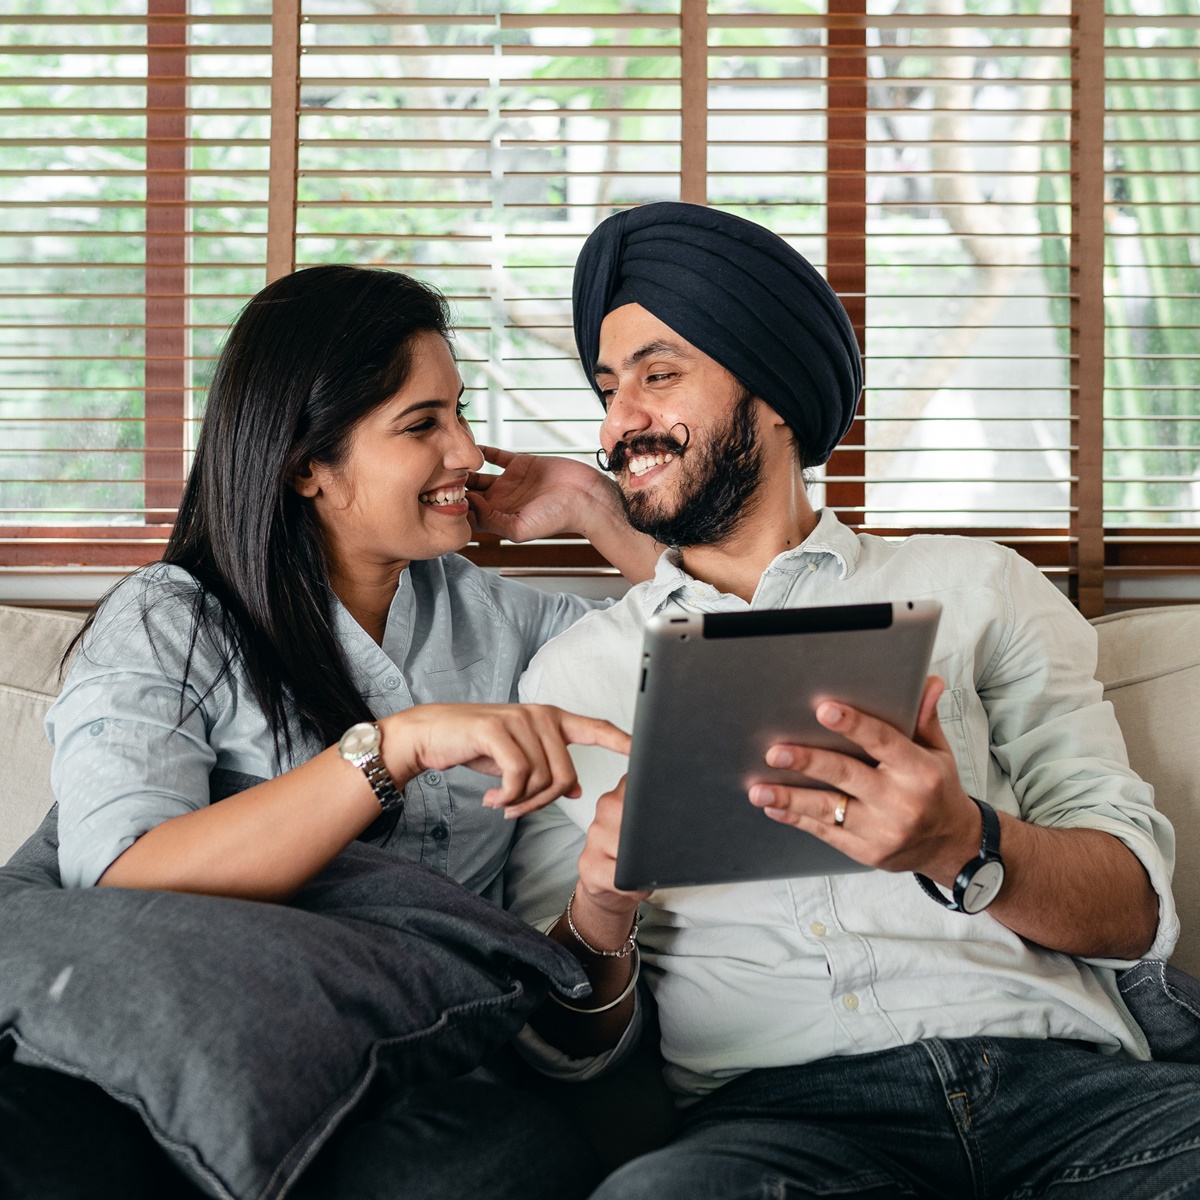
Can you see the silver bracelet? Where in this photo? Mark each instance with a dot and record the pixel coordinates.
(633, 978)
(624, 952)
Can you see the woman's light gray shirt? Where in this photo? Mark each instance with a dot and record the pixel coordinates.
(127, 756)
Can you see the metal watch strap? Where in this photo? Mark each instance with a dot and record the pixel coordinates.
(989, 848)
(390, 798)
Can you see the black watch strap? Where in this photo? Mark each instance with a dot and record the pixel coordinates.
(989, 851)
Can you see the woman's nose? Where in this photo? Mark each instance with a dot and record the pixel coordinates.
(462, 453)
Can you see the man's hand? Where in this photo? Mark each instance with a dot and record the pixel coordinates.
(907, 813)
(545, 495)
(1079, 891)
(537, 496)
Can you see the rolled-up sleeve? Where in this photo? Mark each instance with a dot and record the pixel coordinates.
(1057, 738)
(130, 741)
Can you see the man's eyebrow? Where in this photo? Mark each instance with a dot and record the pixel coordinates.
(649, 350)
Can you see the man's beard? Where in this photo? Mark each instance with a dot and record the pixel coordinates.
(717, 486)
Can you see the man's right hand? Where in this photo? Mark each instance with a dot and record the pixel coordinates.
(601, 911)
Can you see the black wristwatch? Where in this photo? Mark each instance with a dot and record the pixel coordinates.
(980, 881)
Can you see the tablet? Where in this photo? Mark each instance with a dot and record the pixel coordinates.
(717, 690)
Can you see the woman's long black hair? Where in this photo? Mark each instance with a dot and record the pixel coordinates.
(310, 355)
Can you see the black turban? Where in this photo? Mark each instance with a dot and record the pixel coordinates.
(739, 293)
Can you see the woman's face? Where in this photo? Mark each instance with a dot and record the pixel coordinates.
(400, 493)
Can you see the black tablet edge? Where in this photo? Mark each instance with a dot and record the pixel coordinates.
(764, 622)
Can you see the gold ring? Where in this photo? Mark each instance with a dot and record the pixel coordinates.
(839, 813)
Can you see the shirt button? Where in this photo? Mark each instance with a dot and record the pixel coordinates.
(392, 682)
(818, 928)
(812, 566)
(96, 728)
(432, 778)
(439, 833)
(850, 1000)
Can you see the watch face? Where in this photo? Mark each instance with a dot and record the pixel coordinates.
(358, 740)
(984, 886)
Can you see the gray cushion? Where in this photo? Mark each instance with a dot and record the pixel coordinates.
(243, 1032)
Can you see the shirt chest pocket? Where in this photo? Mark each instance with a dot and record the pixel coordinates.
(952, 716)
(472, 682)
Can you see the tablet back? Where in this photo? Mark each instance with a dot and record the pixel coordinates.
(717, 690)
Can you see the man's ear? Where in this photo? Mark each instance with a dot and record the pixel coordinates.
(768, 414)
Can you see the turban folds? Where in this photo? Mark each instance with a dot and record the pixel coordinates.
(740, 294)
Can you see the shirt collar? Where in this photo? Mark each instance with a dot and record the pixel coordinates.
(829, 537)
(365, 658)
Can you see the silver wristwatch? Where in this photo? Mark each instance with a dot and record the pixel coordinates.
(360, 745)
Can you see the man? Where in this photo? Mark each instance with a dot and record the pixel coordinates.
(849, 1035)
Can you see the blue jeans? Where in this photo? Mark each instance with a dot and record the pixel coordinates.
(969, 1119)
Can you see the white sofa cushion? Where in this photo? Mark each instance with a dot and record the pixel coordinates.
(1150, 665)
(31, 644)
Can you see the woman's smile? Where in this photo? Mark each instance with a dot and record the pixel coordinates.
(448, 499)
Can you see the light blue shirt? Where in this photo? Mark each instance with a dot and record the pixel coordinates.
(791, 970)
(126, 758)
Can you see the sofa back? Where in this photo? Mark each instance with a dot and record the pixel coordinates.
(1149, 662)
(31, 645)
(1150, 665)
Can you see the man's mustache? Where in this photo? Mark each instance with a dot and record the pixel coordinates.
(648, 443)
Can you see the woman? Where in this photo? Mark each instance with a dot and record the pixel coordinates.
(310, 588)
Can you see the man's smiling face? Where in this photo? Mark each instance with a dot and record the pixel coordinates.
(681, 433)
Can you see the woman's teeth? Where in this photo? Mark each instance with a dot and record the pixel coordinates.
(644, 462)
(454, 496)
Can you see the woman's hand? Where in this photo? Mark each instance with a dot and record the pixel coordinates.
(546, 495)
(524, 744)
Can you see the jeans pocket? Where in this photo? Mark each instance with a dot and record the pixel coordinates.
(1165, 1002)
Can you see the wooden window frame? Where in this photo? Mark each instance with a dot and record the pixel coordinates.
(1084, 553)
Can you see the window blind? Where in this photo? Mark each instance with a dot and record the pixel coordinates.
(1003, 194)
(133, 188)
(1152, 291)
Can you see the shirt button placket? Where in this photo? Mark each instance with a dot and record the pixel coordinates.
(437, 805)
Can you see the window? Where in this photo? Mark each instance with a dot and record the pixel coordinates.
(1006, 194)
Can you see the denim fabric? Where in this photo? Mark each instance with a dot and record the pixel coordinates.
(244, 1033)
(964, 1119)
(1165, 1002)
